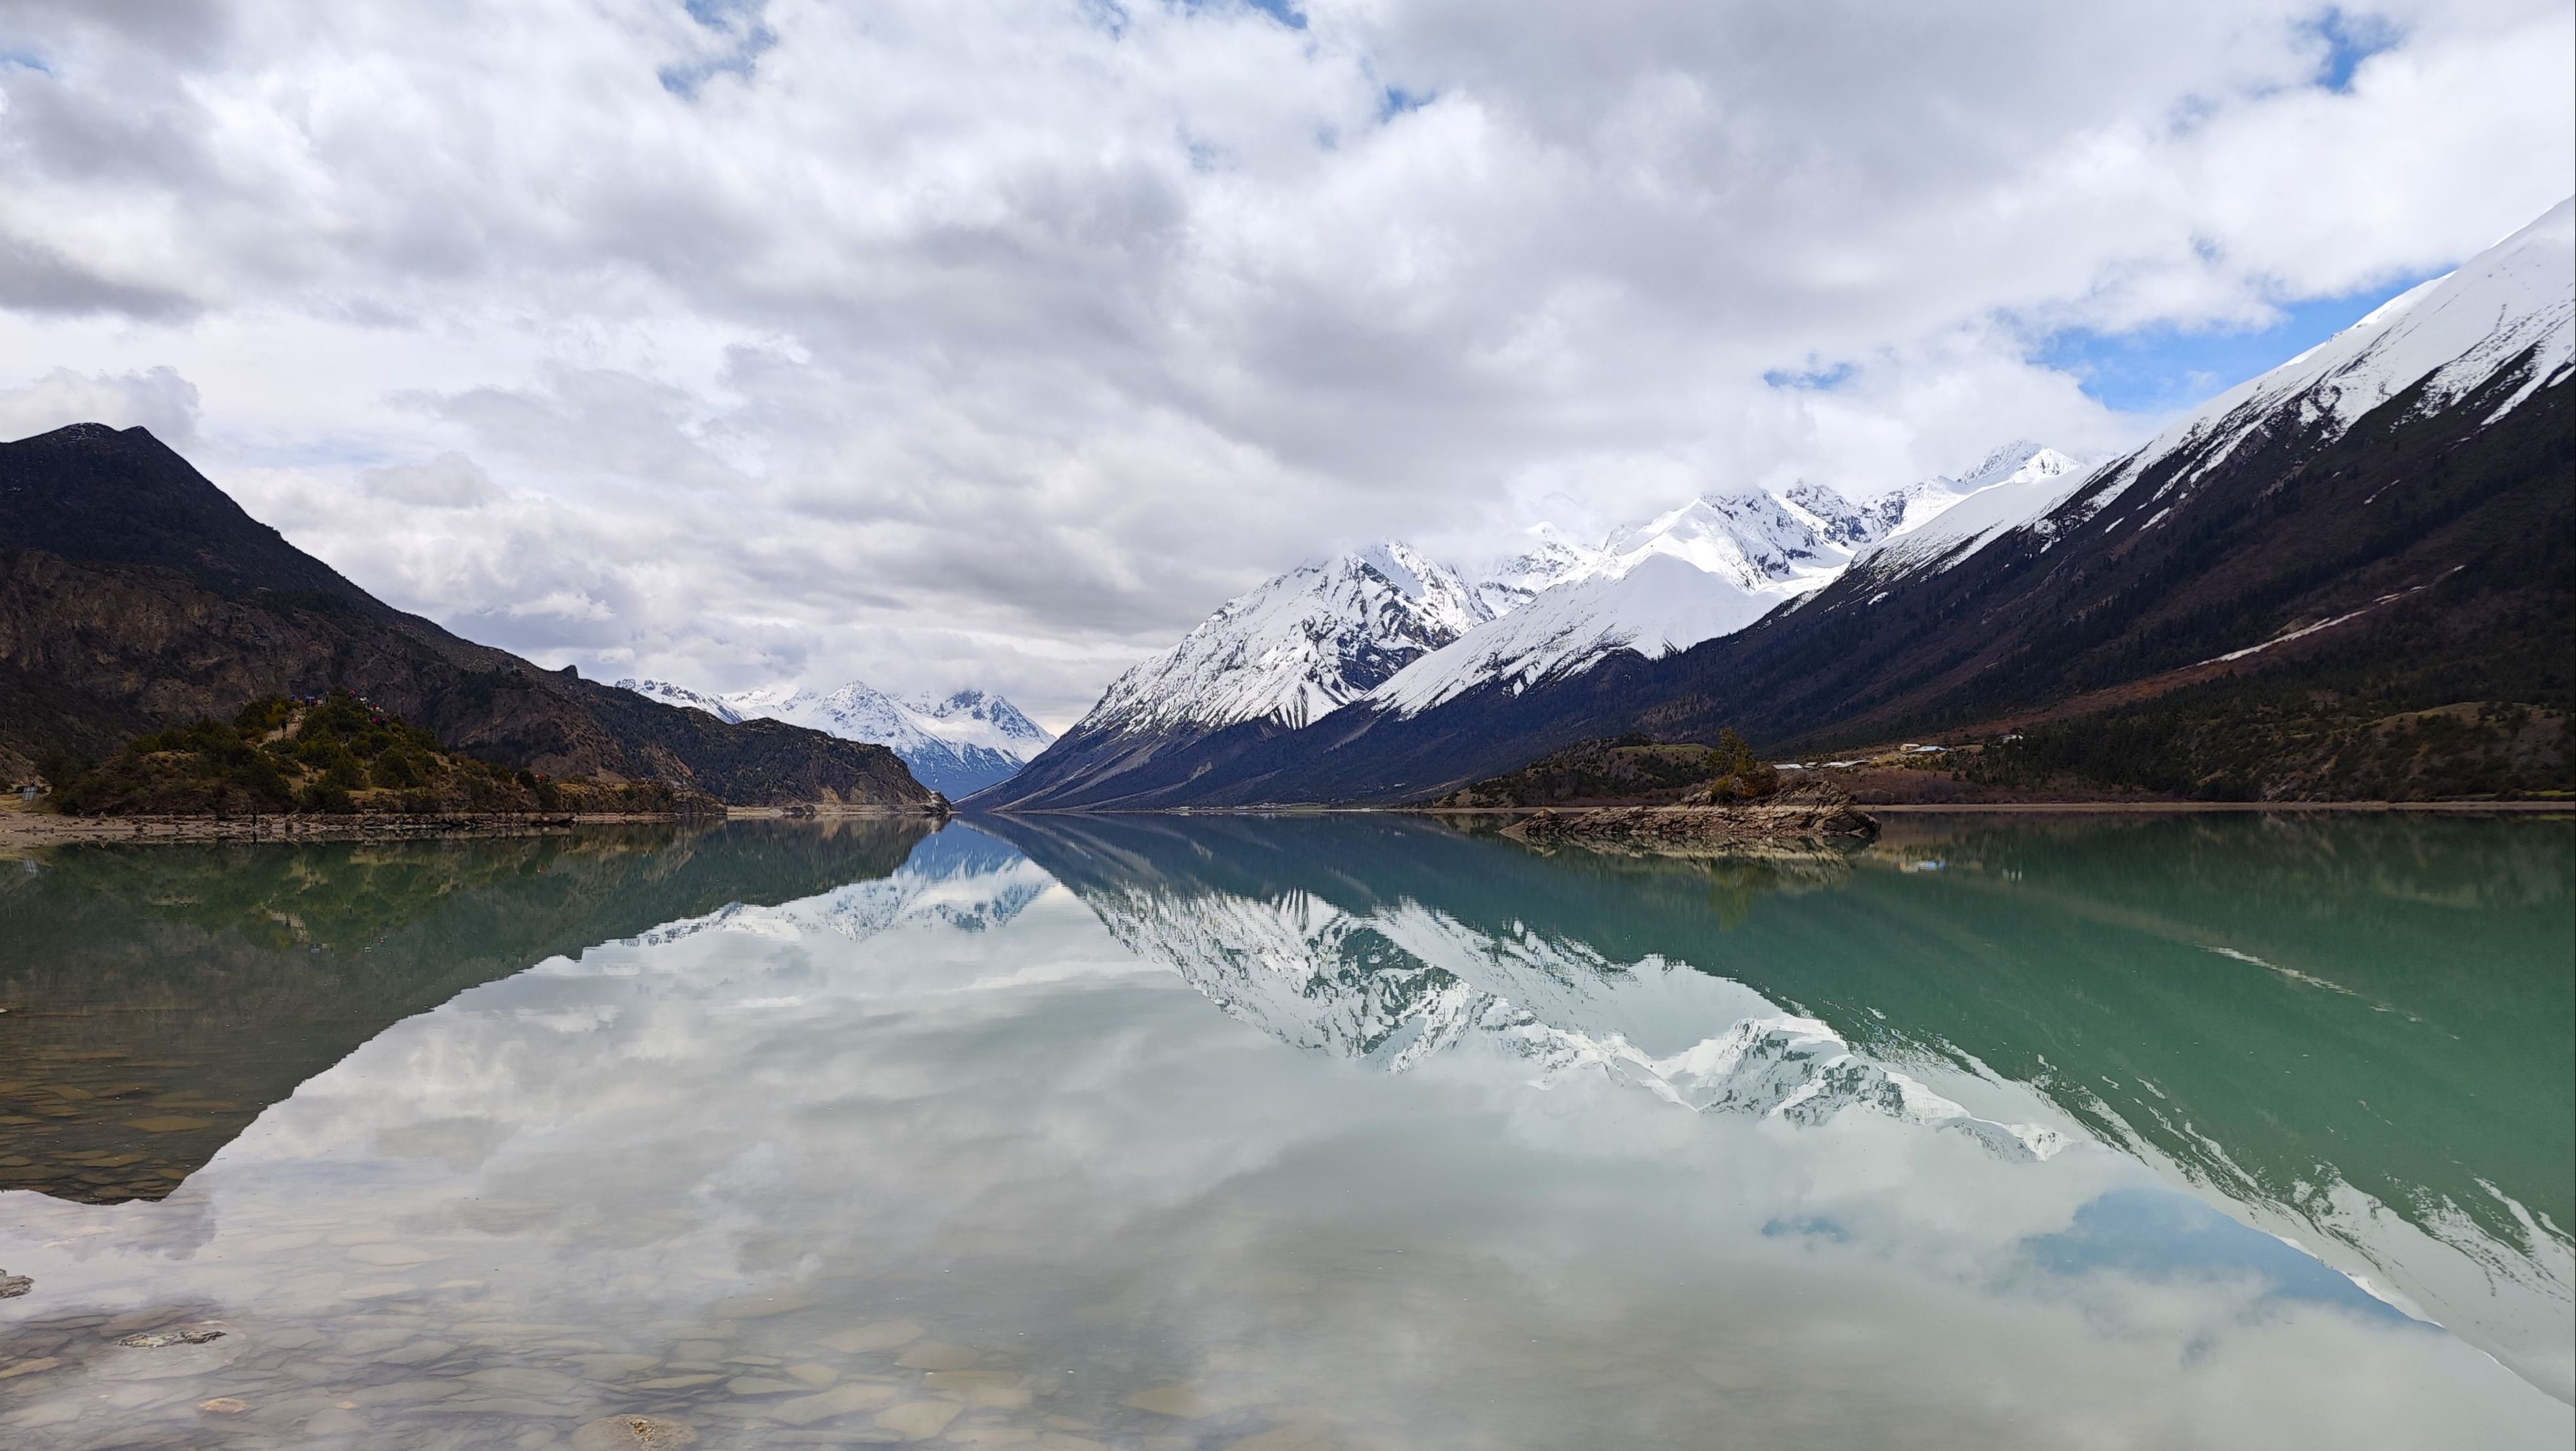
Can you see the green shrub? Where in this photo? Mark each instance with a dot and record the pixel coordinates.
(324, 797)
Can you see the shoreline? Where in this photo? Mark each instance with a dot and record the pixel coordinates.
(22, 828)
(1947, 808)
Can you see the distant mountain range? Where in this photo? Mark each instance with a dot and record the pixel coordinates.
(2269, 596)
(134, 595)
(1390, 629)
(955, 744)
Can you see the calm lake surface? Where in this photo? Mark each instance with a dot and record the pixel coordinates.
(1296, 1133)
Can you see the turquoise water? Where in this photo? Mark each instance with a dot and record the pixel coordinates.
(1296, 1133)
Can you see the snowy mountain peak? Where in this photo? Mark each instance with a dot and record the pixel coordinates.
(1299, 646)
(953, 745)
(980, 717)
(2008, 460)
(1389, 623)
(1838, 520)
(1708, 568)
(1748, 537)
(680, 695)
(1550, 559)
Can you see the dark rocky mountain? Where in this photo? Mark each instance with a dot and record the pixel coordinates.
(135, 595)
(2352, 577)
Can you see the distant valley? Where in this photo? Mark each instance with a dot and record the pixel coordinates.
(955, 744)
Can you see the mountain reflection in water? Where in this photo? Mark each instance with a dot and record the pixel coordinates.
(2003, 1132)
(2354, 1032)
(160, 996)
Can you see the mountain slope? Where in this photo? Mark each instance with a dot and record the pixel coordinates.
(1268, 662)
(1708, 568)
(2379, 527)
(134, 595)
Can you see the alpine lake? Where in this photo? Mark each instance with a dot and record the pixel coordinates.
(1296, 1132)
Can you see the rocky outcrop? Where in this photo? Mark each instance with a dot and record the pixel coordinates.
(1801, 819)
(134, 596)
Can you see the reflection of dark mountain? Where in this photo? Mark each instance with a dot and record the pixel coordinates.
(138, 596)
(159, 997)
(2279, 1007)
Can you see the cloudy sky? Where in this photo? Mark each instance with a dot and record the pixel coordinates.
(944, 342)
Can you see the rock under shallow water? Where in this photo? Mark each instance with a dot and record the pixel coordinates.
(882, 1335)
(634, 1433)
(919, 1420)
(156, 1339)
(838, 1401)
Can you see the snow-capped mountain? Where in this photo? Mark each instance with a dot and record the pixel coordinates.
(1948, 519)
(2512, 306)
(1710, 568)
(1298, 647)
(682, 696)
(955, 744)
(1551, 559)
(2028, 581)
(1406, 633)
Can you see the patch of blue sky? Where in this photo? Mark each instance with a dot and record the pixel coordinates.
(739, 20)
(2159, 1235)
(25, 61)
(1394, 101)
(2162, 367)
(2350, 38)
(1283, 11)
(1819, 379)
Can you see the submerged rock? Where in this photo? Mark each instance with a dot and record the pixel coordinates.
(634, 1433)
(12, 1286)
(158, 1338)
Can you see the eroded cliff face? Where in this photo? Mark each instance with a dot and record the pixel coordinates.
(134, 595)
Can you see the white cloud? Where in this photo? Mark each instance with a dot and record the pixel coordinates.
(155, 398)
(936, 343)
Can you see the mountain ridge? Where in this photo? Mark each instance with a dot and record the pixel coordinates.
(135, 595)
(2279, 509)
